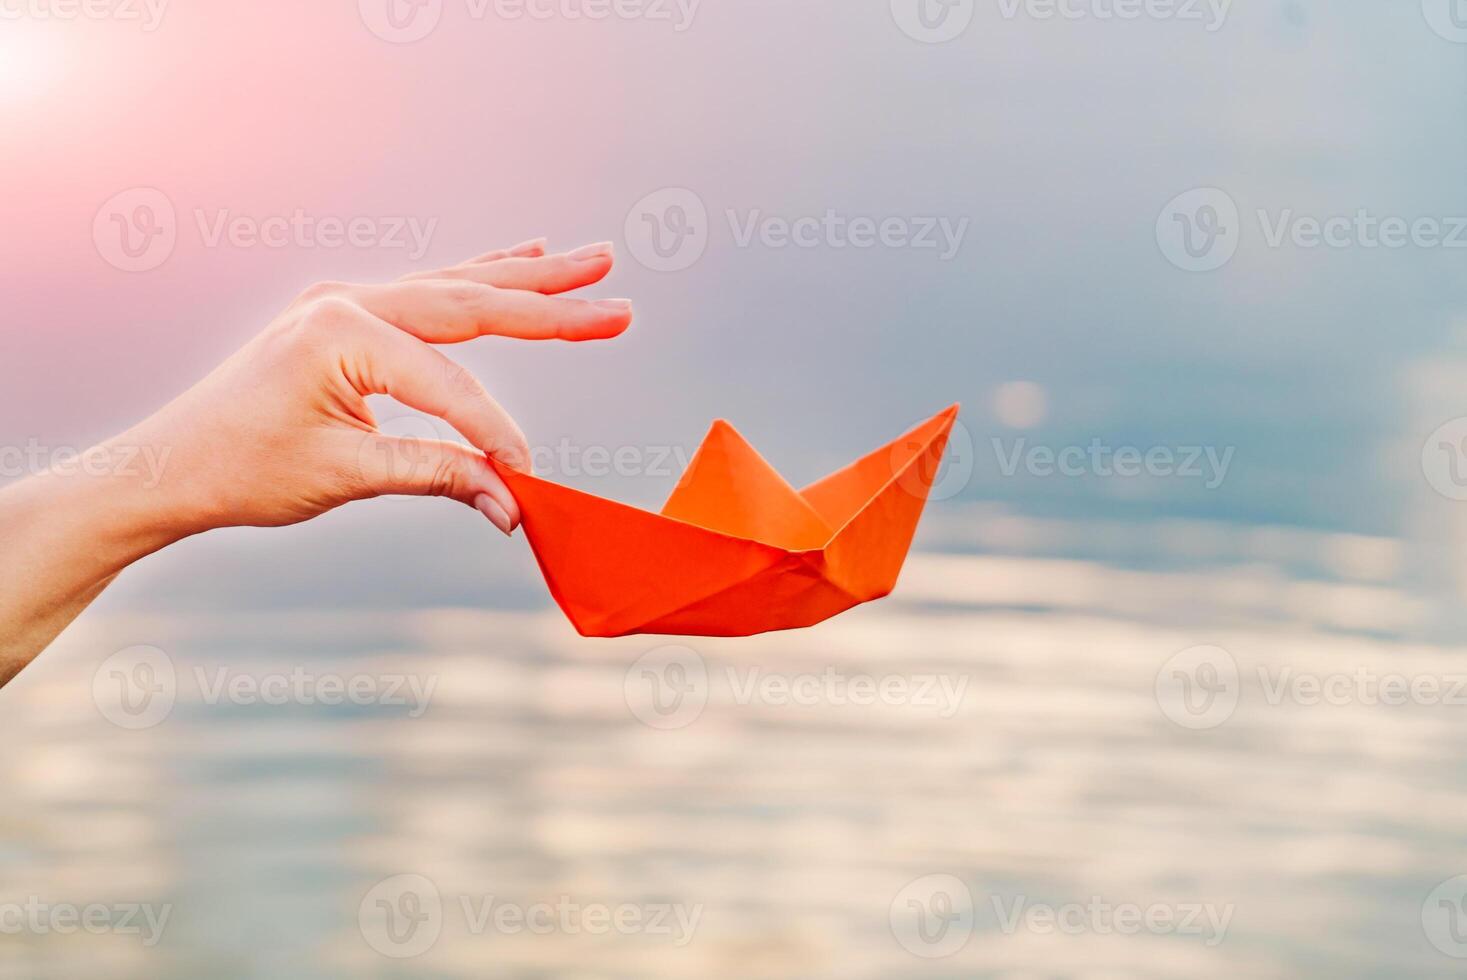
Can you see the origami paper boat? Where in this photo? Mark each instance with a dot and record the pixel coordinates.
(736, 550)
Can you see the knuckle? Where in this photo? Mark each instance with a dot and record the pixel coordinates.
(461, 383)
(320, 290)
(329, 314)
(444, 480)
(513, 448)
(465, 292)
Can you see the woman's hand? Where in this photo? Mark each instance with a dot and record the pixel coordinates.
(281, 432)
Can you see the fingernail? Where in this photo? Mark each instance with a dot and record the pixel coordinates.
(532, 247)
(590, 251)
(619, 305)
(490, 509)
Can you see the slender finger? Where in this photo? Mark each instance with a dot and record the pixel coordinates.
(450, 312)
(432, 468)
(530, 249)
(385, 361)
(547, 274)
(535, 246)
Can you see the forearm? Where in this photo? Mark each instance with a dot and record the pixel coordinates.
(63, 537)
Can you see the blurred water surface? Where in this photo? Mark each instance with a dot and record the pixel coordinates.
(788, 830)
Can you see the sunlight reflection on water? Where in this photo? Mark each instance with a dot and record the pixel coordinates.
(1045, 770)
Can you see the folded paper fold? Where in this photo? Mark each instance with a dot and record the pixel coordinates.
(735, 550)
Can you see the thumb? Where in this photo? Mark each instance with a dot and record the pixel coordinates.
(434, 468)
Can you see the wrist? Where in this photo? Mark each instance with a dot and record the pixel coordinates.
(118, 495)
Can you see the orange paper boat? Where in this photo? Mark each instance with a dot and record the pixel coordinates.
(736, 550)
